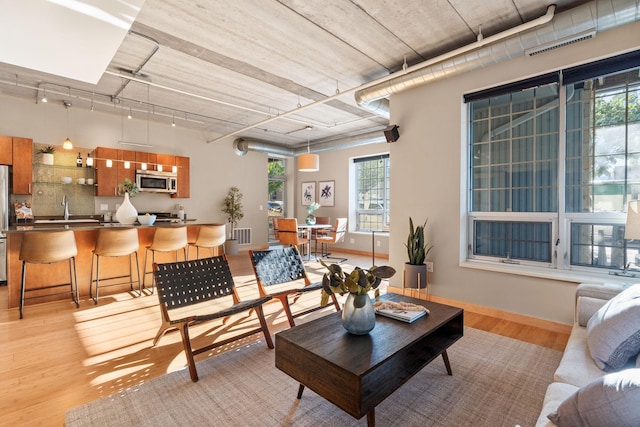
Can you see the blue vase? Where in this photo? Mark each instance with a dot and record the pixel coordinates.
(358, 316)
(310, 219)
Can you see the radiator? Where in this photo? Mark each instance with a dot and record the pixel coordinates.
(242, 235)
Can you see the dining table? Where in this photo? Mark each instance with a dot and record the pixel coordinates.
(308, 230)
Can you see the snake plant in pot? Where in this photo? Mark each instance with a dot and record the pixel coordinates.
(415, 270)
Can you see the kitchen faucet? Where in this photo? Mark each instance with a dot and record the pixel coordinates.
(65, 203)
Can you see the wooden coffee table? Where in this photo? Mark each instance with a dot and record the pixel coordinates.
(357, 372)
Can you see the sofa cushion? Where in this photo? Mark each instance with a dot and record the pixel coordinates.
(613, 332)
(555, 395)
(611, 400)
(577, 366)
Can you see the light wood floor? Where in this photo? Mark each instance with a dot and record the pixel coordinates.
(59, 357)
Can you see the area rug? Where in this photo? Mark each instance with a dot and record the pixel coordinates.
(497, 381)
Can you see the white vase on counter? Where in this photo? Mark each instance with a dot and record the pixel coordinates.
(126, 213)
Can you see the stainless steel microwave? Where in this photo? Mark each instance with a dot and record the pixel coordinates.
(156, 181)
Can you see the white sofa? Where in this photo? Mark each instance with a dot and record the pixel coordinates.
(577, 368)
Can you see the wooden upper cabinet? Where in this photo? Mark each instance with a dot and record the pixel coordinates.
(124, 172)
(184, 177)
(167, 161)
(106, 177)
(22, 165)
(6, 150)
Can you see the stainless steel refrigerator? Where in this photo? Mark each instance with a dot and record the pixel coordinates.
(4, 220)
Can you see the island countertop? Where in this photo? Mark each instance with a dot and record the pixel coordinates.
(86, 235)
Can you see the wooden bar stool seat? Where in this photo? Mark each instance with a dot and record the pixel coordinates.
(165, 239)
(210, 237)
(114, 243)
(49, 247)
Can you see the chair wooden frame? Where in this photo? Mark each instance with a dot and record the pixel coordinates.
(197, 283)
(280, 266)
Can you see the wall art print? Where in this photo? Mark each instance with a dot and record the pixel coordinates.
(308, 193)
(326, 193)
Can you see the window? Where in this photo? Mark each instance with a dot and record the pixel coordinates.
(276, 168)
(371, 194)
(538, 196)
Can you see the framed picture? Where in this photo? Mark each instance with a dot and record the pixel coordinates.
(326, 193)
(308, 193)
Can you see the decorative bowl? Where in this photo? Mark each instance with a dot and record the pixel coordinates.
(146, 219)
(66, 179)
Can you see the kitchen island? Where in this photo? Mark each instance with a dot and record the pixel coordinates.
(86, 234)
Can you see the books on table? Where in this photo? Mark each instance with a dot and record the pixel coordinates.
(408, 316)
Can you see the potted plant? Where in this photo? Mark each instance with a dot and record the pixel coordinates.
(232, 207)
(127, 213)
(47, 154)
(415, 270)
(358, 315)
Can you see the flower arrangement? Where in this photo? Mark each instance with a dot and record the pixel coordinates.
(312, 207)
(127, 186)
(358, 282)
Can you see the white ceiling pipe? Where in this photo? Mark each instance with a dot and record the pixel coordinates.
(595, 16)
(242, 146)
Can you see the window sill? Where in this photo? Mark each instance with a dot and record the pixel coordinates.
(550, 273)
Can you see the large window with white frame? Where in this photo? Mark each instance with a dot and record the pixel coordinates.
(372, 194)
(541, 197)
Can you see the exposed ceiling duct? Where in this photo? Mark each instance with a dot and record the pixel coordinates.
(574, 25)
(241, 145)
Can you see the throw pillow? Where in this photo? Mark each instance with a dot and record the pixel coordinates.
(613, 332)
(611, 400)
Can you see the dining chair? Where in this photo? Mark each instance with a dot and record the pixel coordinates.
(288, 233)
(333, 235)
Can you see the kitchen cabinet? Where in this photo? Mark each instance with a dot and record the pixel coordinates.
(184, 174)
(6, 150)
(18, 152)
(167, 161)
(22, 165)
(124, 172)
(106, 177)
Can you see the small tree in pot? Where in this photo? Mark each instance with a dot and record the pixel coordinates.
(415, 271)
(232, 207)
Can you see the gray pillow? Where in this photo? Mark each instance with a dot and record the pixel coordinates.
(611, 400)
(613, 332)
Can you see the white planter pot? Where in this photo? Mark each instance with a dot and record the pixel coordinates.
(47, 158)
(231, 247)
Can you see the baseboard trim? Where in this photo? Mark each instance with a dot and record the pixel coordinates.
(488, 311)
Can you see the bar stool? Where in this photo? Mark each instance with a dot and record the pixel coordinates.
(209, 236)
(165, 239)
(117, 242)
(49, 247)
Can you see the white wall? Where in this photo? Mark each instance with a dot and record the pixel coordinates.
(428, 184)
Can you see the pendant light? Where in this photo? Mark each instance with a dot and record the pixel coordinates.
(67, 145)
(308, 162)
